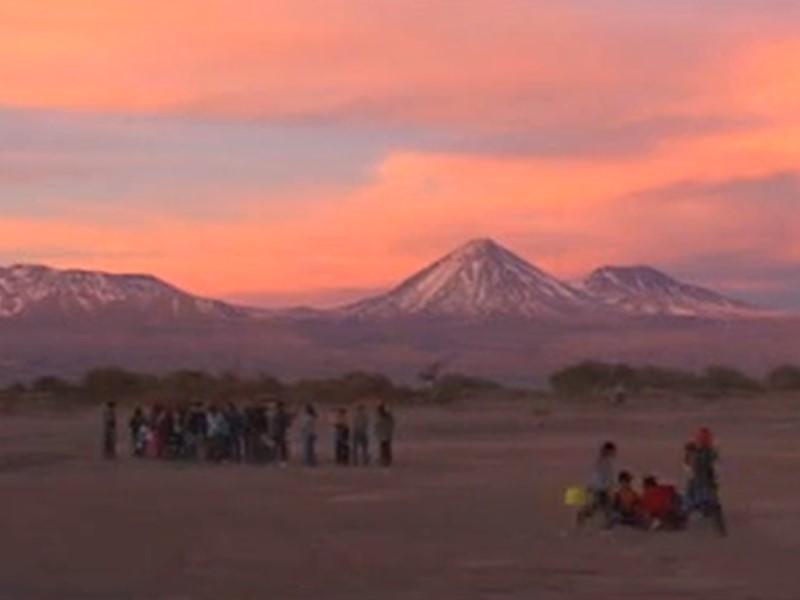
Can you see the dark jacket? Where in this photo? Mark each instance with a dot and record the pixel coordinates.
(384, 427)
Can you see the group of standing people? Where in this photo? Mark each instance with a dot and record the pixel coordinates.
(656, 505)
(258, 434)
(352, 436)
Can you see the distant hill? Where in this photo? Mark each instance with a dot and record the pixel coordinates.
(643, 290)
(41, 294)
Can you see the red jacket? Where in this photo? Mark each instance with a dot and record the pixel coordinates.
(659, 501)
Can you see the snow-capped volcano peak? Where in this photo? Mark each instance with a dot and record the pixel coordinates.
(476, 248)
(644, 290)
(479, 279)
(38, 291)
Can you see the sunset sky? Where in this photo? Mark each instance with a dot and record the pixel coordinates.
(311, 150)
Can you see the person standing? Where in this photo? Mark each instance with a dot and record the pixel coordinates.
(281, 422)
(308, 434)
(154, 440)
(183, 437)
(217, 428)
(250, 435)
(689, 453)
(110, 431)
(152, 427)
(197, 428)
(704, 484)
(341, 438)
(361, 436)
(167, 434)
(267, 443)
(235, 432)
(602, 483)
(135, 425)
(261, 443)
(384, 434)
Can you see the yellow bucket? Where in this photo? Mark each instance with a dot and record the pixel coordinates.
(576, 496)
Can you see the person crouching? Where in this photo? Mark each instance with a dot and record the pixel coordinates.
(662, 506)
(627, 503)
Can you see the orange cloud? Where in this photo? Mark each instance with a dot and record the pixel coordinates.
(567, 216)
(446, 62)
(765, 79)
(470, 66)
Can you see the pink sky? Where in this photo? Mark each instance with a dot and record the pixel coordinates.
(296, 149)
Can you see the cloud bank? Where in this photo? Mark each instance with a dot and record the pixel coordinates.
(327, 145)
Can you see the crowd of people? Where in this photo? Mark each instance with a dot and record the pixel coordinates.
(656, 505)
(259, 433)
(262, 433)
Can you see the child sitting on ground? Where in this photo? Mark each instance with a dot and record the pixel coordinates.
(627, 505)
(662, 506)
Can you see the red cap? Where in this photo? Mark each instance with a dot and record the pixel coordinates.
(704, 439)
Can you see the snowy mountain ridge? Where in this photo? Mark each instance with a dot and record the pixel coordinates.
(479, 280)
(643, 290)
(483, 279)
(39, 291)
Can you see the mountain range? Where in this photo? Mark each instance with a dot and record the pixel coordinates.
(478, 280)
(485, 309)
(483, 279)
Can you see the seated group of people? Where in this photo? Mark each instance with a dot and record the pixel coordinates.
(656, 505)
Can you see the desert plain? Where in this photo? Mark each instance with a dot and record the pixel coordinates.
(473, 509)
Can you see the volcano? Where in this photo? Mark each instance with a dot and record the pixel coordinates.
(478, 280)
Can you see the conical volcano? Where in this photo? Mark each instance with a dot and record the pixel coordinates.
(477, 280)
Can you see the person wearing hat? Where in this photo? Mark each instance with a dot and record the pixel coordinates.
(703, 481)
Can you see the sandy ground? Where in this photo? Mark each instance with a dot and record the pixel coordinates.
(472, 510)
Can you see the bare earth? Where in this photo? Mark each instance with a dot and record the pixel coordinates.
(473, 510)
